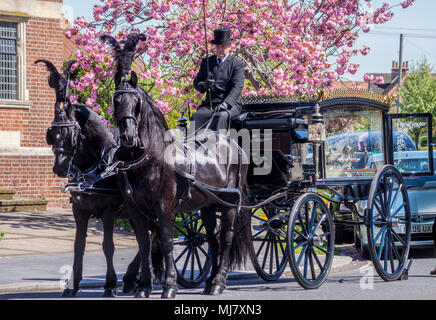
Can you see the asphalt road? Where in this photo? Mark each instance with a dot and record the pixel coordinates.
(358, 281)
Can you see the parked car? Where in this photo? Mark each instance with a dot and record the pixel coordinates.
(421, 192)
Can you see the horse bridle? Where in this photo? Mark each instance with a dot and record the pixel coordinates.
(74, 143)
(133, 117)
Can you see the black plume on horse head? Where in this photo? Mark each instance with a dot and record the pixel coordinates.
(57, 81)
(124, 56)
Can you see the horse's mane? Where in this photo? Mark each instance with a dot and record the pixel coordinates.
(155, 109)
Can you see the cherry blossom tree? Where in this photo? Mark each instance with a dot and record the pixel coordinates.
(289, 47)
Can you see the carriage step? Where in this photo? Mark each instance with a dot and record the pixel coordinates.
(6, 194)
(22, 205)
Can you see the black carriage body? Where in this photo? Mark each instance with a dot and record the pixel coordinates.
(292, 163)
(286, 127)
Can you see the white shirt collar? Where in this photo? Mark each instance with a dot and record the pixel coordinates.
(223, 59)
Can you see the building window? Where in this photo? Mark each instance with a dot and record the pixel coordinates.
(8, 61)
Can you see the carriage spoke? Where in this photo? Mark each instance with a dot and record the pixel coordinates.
(276, 244)
(300, 234)
(322, 249)
(181, 231)
(263, 243)
(192, 263)
(204, 252)
(301, 256)
(271, 257)
(324, 235)
(302, 224)
(381, 245)
(398, 209)
(312, 218)
(386, 250)
(181, 254)
(312, 267)
(397, 254)
(391, 256)
(255, 235)
(321, 267)
(388, 204)
(300, 244)
(379, 209)
(382, 229)
(396, 194)
(265, 257)
(186, 262)
(318, 224)
(197, 257)
(399, 238)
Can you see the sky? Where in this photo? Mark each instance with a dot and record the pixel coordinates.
(417, 24)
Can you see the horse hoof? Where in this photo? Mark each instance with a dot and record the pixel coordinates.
(69, 292)
(142, 294)
(207, 288)
(216, 290)
(169, 293)
(110, 293)
(129, 286)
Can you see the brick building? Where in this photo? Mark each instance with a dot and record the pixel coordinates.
(29, 30)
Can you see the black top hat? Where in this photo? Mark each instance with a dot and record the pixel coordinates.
(221, 37)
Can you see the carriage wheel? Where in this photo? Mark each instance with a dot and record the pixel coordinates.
(268, 246)
(388, 223)
(191, 256)
(311, 241)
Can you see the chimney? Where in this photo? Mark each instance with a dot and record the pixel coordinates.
(405, 66)
(396, 68)
(394, 71)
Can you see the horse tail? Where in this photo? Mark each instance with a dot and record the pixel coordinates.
(241, 233)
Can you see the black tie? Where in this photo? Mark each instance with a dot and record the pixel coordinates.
(219, 60)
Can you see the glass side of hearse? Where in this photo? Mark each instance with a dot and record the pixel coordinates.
(354, 135)
(418, 160)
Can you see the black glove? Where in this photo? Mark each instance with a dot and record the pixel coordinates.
(208, 84)
(222, 107)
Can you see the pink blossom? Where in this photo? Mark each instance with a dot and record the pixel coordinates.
(287, 46)
(379, 80)
(368, 77)
(406, 3)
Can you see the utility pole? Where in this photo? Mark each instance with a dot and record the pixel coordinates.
(401, 71)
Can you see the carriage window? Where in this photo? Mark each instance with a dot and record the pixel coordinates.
(354, 145)
(411, 144)
(8, 61)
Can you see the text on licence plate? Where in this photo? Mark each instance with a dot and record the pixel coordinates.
(425, 228)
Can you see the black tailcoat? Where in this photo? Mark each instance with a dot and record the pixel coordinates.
(229, 82)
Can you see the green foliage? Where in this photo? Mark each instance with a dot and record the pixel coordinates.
(2, 234)
(418, 90)
(122, 225)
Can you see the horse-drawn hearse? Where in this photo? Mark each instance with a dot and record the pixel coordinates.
(278, 200)
(318, 177)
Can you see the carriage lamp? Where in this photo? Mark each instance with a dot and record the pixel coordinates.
(317, 130)
(317, 135)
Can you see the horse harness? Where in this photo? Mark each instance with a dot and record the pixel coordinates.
(72, 169)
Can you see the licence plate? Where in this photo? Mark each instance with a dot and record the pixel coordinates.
(423, 228)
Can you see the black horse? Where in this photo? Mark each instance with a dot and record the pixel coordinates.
(80, 140)
(154, 188)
